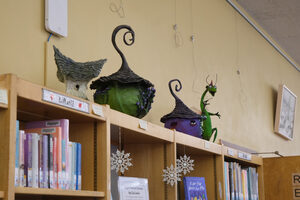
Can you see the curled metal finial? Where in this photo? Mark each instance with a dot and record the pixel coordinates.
(131, 40)
(207, 80)
(177, 87)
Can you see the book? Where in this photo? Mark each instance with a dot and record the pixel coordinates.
(73, 175)
(17, 153)
(64, 124)
(45, 162)
(194, 188)
(55, 167)
(78, 166)
(22, 178)
(35, 158)
(133, 188)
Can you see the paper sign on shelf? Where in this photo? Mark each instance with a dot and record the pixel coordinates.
(65, 101)
(231, 152)
(245, 156)
(97, 110)
(3, 97)
(143, 124)
(206, 145)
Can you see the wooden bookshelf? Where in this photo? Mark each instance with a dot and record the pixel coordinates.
(54, 192)
(152, 147)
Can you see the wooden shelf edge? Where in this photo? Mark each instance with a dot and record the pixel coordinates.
(28, 90)
(256, 160)
(3, 106)
(56, 192)
(1, 194)
(197, 143)
(126, 121)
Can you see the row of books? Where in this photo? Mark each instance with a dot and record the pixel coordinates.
(240, 183)
(45, 158)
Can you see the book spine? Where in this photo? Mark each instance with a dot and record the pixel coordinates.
(26, 159)
(21, 159)
(50, 162)
(69, 167)
(55, 162)
(29, 173)
(59, 163)
(45, 161)
(78, 167)
(63, 162)
(17, 153)
(35, 170)
(40, 161)
(74, 161)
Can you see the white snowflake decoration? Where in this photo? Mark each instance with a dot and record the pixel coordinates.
(185, 164)
(171, 175)
(120, 161)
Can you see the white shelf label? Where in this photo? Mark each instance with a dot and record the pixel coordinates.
(231, 152)
(143, 124)
(97, 110)
(65, 101)
(3, 97)
(206, 145)
(245, 156)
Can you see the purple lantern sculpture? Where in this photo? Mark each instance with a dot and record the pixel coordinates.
(182, 118)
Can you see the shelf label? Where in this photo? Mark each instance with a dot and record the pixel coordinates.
(245, 156)
(296, 179)
(97, 110)
(231, 152)
(143, 124)
(296, 193)
(3, 97)
(206, 145)
(65, 101)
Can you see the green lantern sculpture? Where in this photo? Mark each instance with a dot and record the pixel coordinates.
(124, 90)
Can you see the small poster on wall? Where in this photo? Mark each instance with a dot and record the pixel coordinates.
(133, 188)
(285, 112)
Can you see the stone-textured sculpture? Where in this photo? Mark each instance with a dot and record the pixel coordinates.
(124, 90)
(76, 75)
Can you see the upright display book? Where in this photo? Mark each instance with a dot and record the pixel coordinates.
(194, 188)
(133, 188)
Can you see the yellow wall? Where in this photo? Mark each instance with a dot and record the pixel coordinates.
(224, 43)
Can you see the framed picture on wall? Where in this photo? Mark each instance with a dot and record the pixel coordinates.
(285, 112)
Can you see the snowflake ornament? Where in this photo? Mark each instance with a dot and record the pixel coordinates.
(120, 161)
(171, 175)
(185, 164)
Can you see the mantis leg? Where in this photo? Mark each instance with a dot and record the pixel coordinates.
(216, 133)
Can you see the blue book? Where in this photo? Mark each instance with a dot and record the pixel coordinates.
(194, 188)
(17, 153)
(78, 166)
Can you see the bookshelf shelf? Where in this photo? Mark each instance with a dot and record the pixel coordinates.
(1, 194)
(200, 146)
(3, 106)
(131, 128)
(233, 154)
(54, 192)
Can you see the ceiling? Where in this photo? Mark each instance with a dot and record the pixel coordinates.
(280, 19)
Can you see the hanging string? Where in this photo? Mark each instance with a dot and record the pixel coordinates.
(120, 139)
(119, 9)
(178, 37)
(193, 47)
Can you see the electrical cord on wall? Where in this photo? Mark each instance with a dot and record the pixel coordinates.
(49, 37)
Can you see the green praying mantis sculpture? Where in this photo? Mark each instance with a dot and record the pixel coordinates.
(208, 131)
